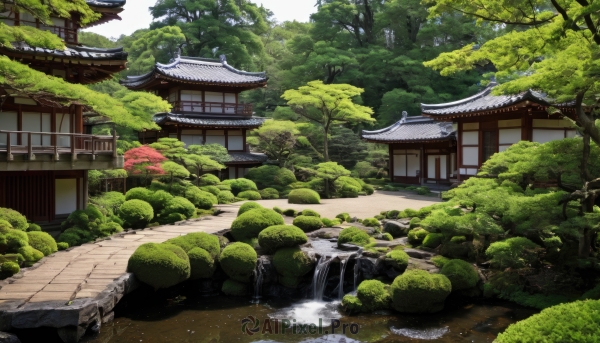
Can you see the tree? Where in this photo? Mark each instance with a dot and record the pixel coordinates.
(330, 171)
(144, 161)
(346, 147)
(199, 164)
(216, 152)
(171, 148)
(277, 140)
(174, 170)
(363, 168)
(327, 105)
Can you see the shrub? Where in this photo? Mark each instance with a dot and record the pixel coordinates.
(16, 258)
(16, 219)
(571, 322)
(281, 236)
(433, 240)
(200, 199)
(203, 240)
(136, 213)
(304, 196)
(170, 219)
(417, 291)
(393, 214)
(33, 227)
(62, 245)
(75, 236)
(241, 185)
(224, 187)
(290, 212)
(516, 252)
(234, 288)
(461, 274)
(16, 239)
(308, 223)
(138, 193)
(397, 259)
(249, 195)
(423, 190)
(415, 222)
(107, 229)
(247, 206)
(159, 265)
(30, 254)
(387, 237)
(209, 180)
(458, 239)
(214, 190)
(372, 222)
(180, 205)
(292, 261)
(417, 235)
(270, 175)
(353, 235)
(202, 264)
(269, 193)
(593, 293)
(311, 213)
(43, 242)
(373, 295)
(344, 217)
(238, 261)
(408, 213)
(249, 224)
(159, 200)
(9, 269)
(225, 197)
(278, 210)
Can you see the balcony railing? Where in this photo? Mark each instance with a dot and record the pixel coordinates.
(56, 144)
(213, 107)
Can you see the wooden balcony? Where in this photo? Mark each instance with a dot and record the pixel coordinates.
(212, 107)
(68, 34)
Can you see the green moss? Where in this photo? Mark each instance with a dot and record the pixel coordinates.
(238, 261)
(330, 222)
(417, 291)
(397, 259)
(9, 269)
(310, 213)
(202, 240)
(201, 199)
(62, 246)
(387, 237)
(278, 210)
(16, 239)
(433, 240)
(249, 195)
(202, 264)
(241, 184)
(439, 261)
(225, 197)
(33, 227)
(408, 213)
(270, 175)
(344, 217)
(182, 206)
(209, 180)
(292, 262)
(247, 206)
(43, 242)
(393, 214)
(214, 190)
(352, 303)
(17, 258)
(30, 254)
(249, 224)
(136, 213)
(373, 295)
(516, 252)
(371, 222)
(281, 236)
(417, 235)
(290, 212)
(308, 223)
(289, 281)
(234, 288)
(461, 274)
(304, 196)
(458, 239)
(269, 193)
(16, 219)
(353, 235)
(159, 265)
(415, 222)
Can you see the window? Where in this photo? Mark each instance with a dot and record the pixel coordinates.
(191, 101)
(8, 122)
(8, 18)
(36, 122)
(191, 137)
(63, 125)
(27, 19)
(229, 100)
(215, 137)
(214, 102)
(235, 140)
(489, 144)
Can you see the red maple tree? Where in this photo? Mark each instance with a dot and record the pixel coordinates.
(144, 161)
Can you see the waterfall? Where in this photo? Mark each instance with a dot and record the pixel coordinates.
(341, 286)
(258, 281)
(320, 277)
(357, 268)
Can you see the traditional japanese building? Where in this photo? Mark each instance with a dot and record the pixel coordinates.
(204, 94)
(483, 124)
(44, 151)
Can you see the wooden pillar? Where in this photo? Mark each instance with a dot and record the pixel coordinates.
(422, 164)
(458, 151)
(85, 189)
(391, 162)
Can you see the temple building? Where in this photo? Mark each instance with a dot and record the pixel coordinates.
(480, 125)
(204, 94)
(44, 151)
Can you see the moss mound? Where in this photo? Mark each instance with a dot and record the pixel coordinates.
(281, 236)
(353, 235)
(225, 197)
(398, 259)
(304, 196)
(461, 274)
(269, 193)
(209, 180)
(159, 265)
(433, 240)
(9, 269)
(292, 262)
(247, 206)
(417, 235)
(62, 246)
(234, 288)
(202, 199)
(311, 213)
(136, 213)
(344, 217)
(387, 237)
(308, 223)
(43, 242)
(374, 295)
(249, 224)
(415, 222)
(238, 261)
(417, 291)
(351, 303)
(249, 195)
(30, 254)
(202, 240)
(16, 219)
(290, 212)
(202, 264)
(241, 184)
(371, 222)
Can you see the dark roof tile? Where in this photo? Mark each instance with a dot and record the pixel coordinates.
(73, 51)
(246, 157)
(200, 121)
(412, 129)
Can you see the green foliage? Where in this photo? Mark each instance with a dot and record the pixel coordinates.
(304, 196)
(433, 240)
(310, 213)
(135, 213)
(234, 288)
(373, 295)
(209, 180)
(249, 224)
(393, 214)
(278, 210)
(461, 274)
(387, 237)
(330, 222)
(225, 197)
(516, 252)
(203, 240)
(372, 222)
(397, 259)
(110, 201)
(290, 212)
(242, 184)
(292, 262)
(440, 261)
(281, 236)
(269, 193)
(211, 189)
(75, 236)
(353, 235)
(30, 254)
(417, 291)
(458, 239)
(62, 246)
(201, 199)
(179, 205)
(202, 264)
(271, 176)
(308, 223)
(159, 265)
(247, 206)
(9, 269)
(352, 303)
(16, 219)
(43, 242)
(415, 222)
(417, 235)
(344, 217)
(33, 227)
(238, 261)
(249, 195)
(15, 239)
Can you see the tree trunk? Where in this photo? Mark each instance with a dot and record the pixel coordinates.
(326, 143)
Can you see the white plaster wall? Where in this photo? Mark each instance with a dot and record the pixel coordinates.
(414, 164)
(8, 122)
(470, 156)
(470, 138)
(399, 165)
(65, 119)
(235, 143)
(543, 136)
(431, 166)
(215, 140)
(509, 136)
(66, 196)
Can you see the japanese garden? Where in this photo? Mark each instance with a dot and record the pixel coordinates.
(382, 171)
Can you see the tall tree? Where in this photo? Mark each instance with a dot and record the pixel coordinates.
(277, 139)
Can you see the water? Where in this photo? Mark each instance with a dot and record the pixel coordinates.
(320, 276)
(341, 286)
(258, 281)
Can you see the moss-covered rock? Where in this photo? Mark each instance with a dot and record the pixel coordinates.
(352, 303)
(415, 222)
(16, 219)
(461, 274)
(353, 235)
(393, 214)
(247, 206)
(202, 240)
(433, 240)
(290, 212)
(159, 265)
(43, 242)
(374, 295)
(269, 193)
(225, 197)
(398, 259)
(281, 236)
(304, 196)
(136, 213)
(308, 223)
(330, 222)
(417, 291)
(292, 262)
(249, 224)
(202, 199)
(202, 264)
(387, 237)
(417, 235)
(238, 261)
(234, 288)
(311, 213)
(9, 269)
(371, 222)
(249, 195)
(344, 217)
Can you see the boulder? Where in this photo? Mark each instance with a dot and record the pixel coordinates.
(419, 253)
(8, 338)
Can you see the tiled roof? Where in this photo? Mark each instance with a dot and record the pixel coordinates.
(412, 129)
(106, 3)
(201, 121)
(483, 101)
(198, 70)
(72, 51)
(246, 157)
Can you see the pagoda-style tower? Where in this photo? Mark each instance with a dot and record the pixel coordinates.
(44, 151)
(204, 94)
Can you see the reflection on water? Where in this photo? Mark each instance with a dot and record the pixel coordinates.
(424, 334)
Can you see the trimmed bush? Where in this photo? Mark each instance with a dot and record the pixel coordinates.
(292, 262)
(209, 180)
(249, 195)
(211, 189)
(371, 222)
(461, 274)
(16, 239)
(136, 213)
(16, 258)
(373, 295)
(270, 175)
(415, 222)
(310, 213)
(397, 259)
(304, 196)
(238, 261)
(281, 236)
(433, 240)
(202, 264)
(30, 254)
(16, 219)
(417, 291)
(224, 187)
(200, 199)
(249, 224)
(269, 193)
(353, 235)
(241, 185)
(344, 217)
(225, 197)
(247, 206)
(138, 193)
(278, 210)
(570, 322)
(33, 227)
(76, 236)
(9, 269)
(62, 246)
(308, 223)
(408, 213)
(159, 200)
(159, 265)
(171, 218)
(416, 236)
(43, 242)
(202, 240)
(234, 288)
(290, 212)
(516, 252)
(180, 205)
